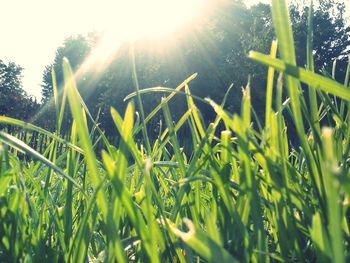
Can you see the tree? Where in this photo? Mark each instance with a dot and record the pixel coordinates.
(331, 33)
(76, 49)
(14, 102)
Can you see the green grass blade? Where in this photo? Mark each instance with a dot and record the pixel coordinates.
(312, 79)
(14, 142)
(139, 100)
(204, 245)
(166, 100)
(32, 127)
(331, 169)
(269, 89)
(55, 93)
(310, 66)
(82, 131)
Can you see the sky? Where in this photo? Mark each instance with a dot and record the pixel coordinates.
(31, 31)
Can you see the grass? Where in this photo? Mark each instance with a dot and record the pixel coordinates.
(242, 195)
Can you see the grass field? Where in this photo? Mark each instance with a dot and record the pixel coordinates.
(244, 194)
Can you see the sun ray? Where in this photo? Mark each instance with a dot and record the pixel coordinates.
(129, 21)
(135, 19)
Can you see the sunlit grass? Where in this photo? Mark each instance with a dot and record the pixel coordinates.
(242, 195)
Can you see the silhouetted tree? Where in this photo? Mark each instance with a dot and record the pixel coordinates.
(331, 33)
(14, 101)
(76, 49)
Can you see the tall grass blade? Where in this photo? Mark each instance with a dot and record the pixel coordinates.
(312, 79)
(83, 133)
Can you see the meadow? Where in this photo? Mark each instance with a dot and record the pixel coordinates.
(244, 194)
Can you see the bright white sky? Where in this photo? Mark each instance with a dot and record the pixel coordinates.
(31, 31)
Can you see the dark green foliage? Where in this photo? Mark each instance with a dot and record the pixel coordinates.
(330, 31)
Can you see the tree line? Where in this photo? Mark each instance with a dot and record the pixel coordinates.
(216, 48)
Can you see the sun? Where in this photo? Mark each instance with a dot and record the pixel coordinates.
(131, 20)
(134, 19)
